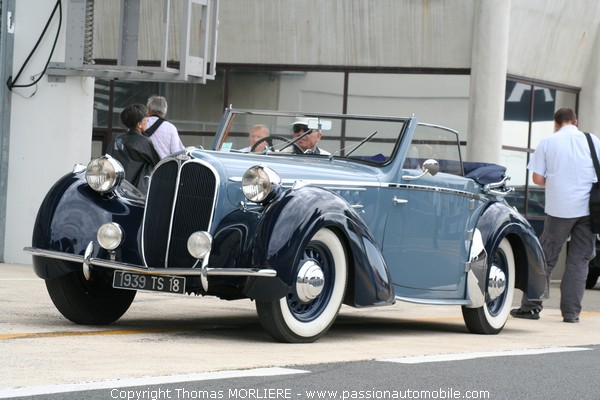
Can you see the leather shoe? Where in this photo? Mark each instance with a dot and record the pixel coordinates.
(531, 314)
(571, 320)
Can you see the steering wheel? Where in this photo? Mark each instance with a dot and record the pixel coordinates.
(271, 139)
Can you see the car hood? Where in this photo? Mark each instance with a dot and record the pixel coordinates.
(318, 170)
(346, 178)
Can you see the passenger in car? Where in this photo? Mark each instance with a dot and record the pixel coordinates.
(134, 150)
(309, 142)
(257, 132)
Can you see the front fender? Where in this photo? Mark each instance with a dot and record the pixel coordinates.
(69, 218)
(291, 221)
(499, 221)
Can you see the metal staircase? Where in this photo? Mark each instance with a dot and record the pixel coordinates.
(193, 23)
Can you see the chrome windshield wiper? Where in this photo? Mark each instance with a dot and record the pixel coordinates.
(354, 146)
(292, 142)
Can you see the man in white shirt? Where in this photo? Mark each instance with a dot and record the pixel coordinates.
(162, 133)
(562, 163)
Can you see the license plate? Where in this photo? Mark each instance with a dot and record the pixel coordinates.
(153, 283)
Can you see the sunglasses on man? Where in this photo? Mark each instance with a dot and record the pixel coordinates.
(300, 128)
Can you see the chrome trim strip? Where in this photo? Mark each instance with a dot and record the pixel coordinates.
(317, 115)
(438, 127)
(326, 182)
(54, 254)
(357, 189)
(179, 162)
(333, 185)
(361, 186)
(143, 228)
(78, 168)
(476, 269)
(474, 291)
(438, 302)
(441, 190)
(265, 272)
(89, 250)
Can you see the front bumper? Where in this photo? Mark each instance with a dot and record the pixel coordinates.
(203, 272)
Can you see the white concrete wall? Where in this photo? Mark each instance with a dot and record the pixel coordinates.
(554, 40)
(51, 128)
(378, 33)
(589, 99)
(347, 32)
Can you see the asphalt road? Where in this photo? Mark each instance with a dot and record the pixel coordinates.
(170, 335)
(503, 376)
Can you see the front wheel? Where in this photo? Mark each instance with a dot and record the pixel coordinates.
(89, 302)
(499, 291)
(310, 309)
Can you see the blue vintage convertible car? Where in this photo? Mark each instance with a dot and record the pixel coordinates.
(391, 213)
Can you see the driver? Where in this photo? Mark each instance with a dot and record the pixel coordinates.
(257, 132)
(309, 142)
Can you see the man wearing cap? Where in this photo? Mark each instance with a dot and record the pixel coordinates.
(309, 141)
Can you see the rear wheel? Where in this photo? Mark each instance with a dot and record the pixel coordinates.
(317, 294)
(89, 302)
(499, 292)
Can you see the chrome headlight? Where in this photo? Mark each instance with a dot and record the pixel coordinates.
(259, 183)
(110, 236)
(199, 244)
(104, 173)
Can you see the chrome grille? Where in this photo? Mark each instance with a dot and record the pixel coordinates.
(179, 202)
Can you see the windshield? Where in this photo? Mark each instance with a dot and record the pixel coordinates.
(366, 138)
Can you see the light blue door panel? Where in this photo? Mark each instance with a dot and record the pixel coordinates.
(425, 243)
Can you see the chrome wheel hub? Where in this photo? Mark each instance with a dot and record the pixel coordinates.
(496, 282)
(310, 281)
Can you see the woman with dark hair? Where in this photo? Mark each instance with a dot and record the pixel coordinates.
(134, 150)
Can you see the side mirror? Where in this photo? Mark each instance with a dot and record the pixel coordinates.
(431, 166)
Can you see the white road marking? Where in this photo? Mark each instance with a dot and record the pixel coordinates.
(145, 381)
(469, 356)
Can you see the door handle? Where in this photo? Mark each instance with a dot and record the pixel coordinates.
(396, 201)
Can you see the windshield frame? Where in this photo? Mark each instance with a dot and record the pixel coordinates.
(225, 131)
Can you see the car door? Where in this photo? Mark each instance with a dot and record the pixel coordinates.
(426, 233)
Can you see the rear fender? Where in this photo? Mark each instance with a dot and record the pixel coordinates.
(499, 221)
